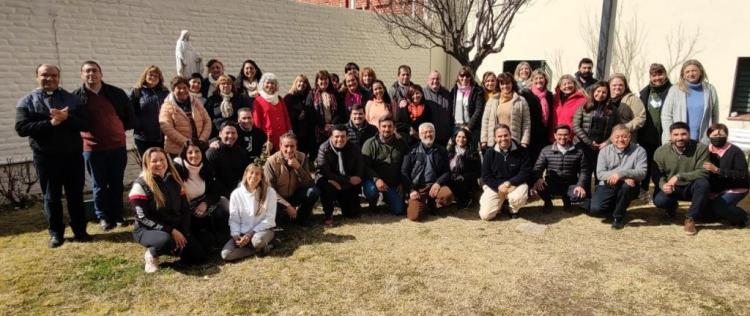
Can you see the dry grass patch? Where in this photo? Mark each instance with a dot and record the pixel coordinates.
(381, 264)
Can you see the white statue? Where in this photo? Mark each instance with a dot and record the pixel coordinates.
(188, 60)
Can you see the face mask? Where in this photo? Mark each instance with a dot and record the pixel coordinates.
(718, 141)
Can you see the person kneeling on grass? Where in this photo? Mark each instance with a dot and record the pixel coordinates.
(162, 214)
(505, 170)
(252, 216)
(339, 176)
(567, 170)
(729, 178)
(620, 167)
(682, 176)
(426, 174)
(288, 173)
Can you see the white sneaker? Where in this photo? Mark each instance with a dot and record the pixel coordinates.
(152, 263)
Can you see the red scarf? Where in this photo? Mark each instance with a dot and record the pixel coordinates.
(415, 111)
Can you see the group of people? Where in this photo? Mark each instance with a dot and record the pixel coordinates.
(225, 158)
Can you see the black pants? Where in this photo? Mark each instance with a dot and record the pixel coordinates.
(348, 199)
(651, 173)
(212, 231)
(161, 243)
(563, 190)
(57, 172)
(142, 145)
(464, 190)
(696, 192)
(304, 199)
(613, 200)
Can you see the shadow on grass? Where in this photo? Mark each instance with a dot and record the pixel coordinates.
(292, 237)
(125, 236)
(17, 222)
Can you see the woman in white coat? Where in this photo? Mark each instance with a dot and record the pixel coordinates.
(252, 216)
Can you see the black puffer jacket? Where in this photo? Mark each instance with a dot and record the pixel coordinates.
(568, 168)
(146, 103)
(327, 163)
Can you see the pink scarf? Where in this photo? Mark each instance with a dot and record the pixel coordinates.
(465, 91)
(541, 94)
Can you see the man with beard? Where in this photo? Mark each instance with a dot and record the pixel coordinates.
(383, 155)
(505, 171)
(228, 161)
(620, 166)
(585, 73)
(682, 176)
(426, 174)
(649, 136)
(339, 175)
(52, 118)
(358, 130)
(437, 98)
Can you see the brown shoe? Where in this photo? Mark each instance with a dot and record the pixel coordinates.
(690, 227)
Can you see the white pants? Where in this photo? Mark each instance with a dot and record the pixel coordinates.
(491, 201)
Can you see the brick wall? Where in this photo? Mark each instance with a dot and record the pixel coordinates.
(283, 37)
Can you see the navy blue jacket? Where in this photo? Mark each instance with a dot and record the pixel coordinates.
(146, 103)
(33, 120)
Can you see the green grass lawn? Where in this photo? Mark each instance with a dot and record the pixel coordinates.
(381, 264)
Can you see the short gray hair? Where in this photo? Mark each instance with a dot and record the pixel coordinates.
(426, 125)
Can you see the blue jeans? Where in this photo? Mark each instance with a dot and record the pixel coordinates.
(391, 197)
(107, 170)
(696, 192)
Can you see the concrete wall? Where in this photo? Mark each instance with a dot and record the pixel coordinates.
(556, 31)
(283, 37)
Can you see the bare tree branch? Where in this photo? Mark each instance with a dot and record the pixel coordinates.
(446, 24)
(681, 47)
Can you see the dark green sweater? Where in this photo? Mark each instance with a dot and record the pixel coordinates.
(383, 160)
(687, 166)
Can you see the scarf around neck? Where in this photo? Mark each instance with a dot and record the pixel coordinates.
(541, 94)
(271, 98)
(226, 105)
(251, 87)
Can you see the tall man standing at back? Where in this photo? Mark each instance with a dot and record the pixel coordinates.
(585, 73)
(104, 145)
(438, 98)
(52, 118)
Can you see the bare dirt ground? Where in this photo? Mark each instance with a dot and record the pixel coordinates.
(543, 263)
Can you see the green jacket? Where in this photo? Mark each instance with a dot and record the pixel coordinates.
(687, 166)
(383, 160)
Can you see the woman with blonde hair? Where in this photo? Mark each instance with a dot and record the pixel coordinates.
(630, 109)
(295, 106)
(223, 105)
(569, 96)
(540, 101)
(522, 74)
(252, 216)
(507, 108)
(146, 99)
(162, 214)
(692, 100)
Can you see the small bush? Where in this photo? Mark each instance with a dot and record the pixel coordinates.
(16, 181)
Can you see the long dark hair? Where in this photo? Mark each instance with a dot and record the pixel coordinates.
(258, 72)
(593, 104)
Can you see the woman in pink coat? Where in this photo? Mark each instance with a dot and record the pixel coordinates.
(569, 96)
(269, 110)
